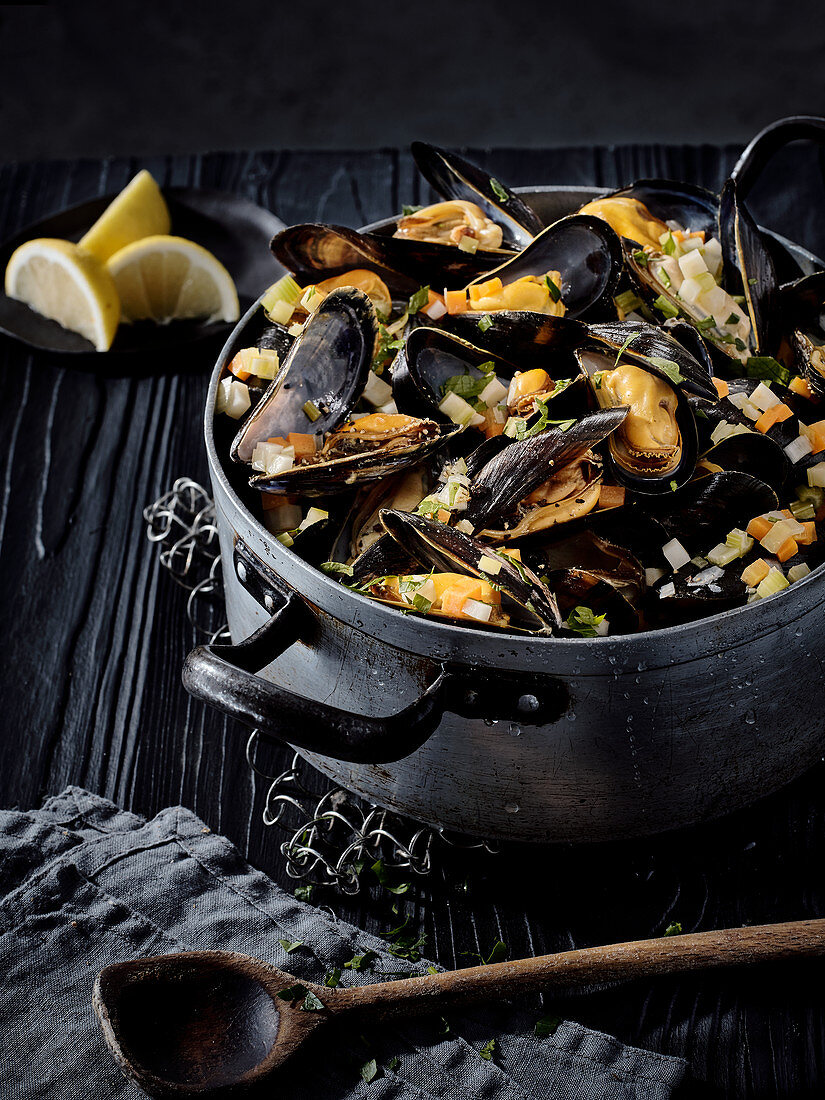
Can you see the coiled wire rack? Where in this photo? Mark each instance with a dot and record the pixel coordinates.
(329, 836)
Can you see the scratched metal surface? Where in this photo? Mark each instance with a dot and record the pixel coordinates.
(94, 634)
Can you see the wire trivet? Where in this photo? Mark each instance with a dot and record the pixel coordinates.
(331, 836)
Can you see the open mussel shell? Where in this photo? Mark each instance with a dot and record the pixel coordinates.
(314, 251)
(803, 310)
(691, 206)
(512, 475)
(638, 338)
(809, 356)
(692, 341)
(702, 513)
(328, 365)
(646, 455)
(334, 475)
(514, 335)
(445, 549)
(585, 549)
(584, 250)
(455, 178)
(577, 587)
(751, 453)
(749, 269)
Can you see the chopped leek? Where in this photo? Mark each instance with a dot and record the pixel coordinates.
(666, 307)
(311, 410)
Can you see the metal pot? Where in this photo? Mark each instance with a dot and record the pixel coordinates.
(507, 736)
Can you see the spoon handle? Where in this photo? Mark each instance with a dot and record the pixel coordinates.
(571, 969)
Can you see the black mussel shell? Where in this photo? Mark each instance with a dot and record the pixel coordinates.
(455, 178)
(525, 464)
(429, 357)
(691, 206)
(584, 250)
(701, 514)
(769, 141)
(749, 269)
(314, 251)
(755, 454)
(580, 588)
(650, 482)
(637, 338)
(691, 601)
(328, 364)
(692, 341)
(809, 356)
(521, 338)
(584, 549)
(446, 549)
(278, 339)
(803, 312)
(317, 479)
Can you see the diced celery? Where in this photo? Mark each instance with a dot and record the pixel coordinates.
(490, 566)
(722, 554)
(797, 572)
(284, 290)
(468, 244)
(280, 312)
(773, 583)
(781, 531)
(802, 510)
(233, 398)
(740, 540)
(798, 448)
(457, 409)
(816, 476)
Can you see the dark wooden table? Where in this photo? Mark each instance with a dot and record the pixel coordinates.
(94, 633)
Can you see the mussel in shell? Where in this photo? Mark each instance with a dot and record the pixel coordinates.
(371, 447)
(437, 546)
(452, 222)
(654, 449)
(455, 178)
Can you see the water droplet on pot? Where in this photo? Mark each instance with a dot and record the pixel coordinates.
(750, 718)
(511, 807)
(514, 729)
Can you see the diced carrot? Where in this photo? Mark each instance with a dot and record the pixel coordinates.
(774, 415)
(303, 443)
(755, 572)
(611, 496)
(432, 298)
(788, 514)
(513, 552)
(721, 386)
(237, 368)
(801, 386)
(279, 440)
(787, 549)
(759, 527)
(810, 533)
(816, 436)
(453, 600)
(456, 301)
(443, 515)
(485, 289)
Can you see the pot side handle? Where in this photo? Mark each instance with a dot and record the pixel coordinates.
(225, 677)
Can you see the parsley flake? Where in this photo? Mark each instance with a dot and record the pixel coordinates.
(419, 299)
(583, 621)
(546, 1025)
(369, 1070)
(674, 929)
(488, 1050)
(498, 190)
(291, 945)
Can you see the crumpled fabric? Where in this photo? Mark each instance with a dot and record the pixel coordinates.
(84, 884)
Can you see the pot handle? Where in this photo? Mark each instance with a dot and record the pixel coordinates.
(225, 677)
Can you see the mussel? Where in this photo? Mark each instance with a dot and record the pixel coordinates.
(654, 449)
(641, 211)
(437, 546)
(803, 309)
(455, 178)
(366, 449)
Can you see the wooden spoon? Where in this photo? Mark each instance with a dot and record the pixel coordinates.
(205, 1023)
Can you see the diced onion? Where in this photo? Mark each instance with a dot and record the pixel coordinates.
(763, 397)
(667, 590)
(475, 609)
(798, 448)
(493, 393)
(233, 398)
(676, 554)
(377, 391)
(490, 566)
(797, 572)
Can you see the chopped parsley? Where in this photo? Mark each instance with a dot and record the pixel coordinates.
(291, 945)
(311, 1003)
(465, 385)
(332, 569)
(555, 291)
(292, 992)
(332, 978)
(419, 299)
(708, 323)
(386, 347)
(393, 1063)
(498, 190)
(674, 929)
(405, 944)
(546, 1025)
(734, 319)
(581, 620)
(619, 354)
(488, 1050)
(668, 367)
(669, 247)
(369, 1070)
(768, 369)
(304, 893)
(674, 486)
(407, 210)
(640, 257)
(362, 963)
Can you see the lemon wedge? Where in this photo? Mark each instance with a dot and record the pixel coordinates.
(165, 278)
(139, 210)
(61, 281)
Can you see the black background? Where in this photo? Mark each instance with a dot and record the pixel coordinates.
(137, 78)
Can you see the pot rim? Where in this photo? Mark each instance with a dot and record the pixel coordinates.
(434, 638)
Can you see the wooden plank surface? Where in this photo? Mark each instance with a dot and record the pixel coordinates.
(94, 633)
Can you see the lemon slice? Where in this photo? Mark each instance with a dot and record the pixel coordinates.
(70, 286)
(138, 211)
(169, 278)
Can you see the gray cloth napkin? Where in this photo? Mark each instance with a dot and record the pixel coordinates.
(84, 884)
